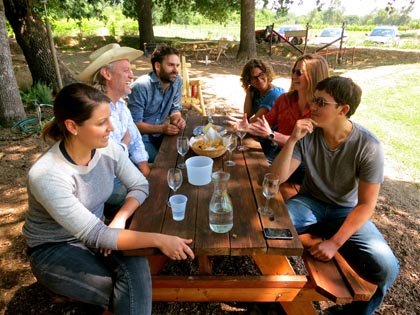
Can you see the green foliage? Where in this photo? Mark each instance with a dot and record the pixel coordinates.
(38, 93)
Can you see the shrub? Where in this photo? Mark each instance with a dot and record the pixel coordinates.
(39, 93)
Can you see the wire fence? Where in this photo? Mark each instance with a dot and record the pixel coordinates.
(209, 32)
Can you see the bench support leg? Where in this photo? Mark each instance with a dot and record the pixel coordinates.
(298, 308)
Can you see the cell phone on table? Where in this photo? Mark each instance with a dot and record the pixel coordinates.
(278, 234)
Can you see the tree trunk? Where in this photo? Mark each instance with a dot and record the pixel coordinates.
(247, 46)
(33, 40)
(144, 13)
(11, 107)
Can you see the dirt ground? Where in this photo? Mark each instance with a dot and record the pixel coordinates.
(397, 214)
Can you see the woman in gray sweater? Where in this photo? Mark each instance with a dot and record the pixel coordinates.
(71, 250)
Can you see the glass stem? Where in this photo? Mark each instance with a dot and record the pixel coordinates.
(266, 203)
(230, 156)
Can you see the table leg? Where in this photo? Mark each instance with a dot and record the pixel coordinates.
(204, 265)
(156, 263)
(280, 265)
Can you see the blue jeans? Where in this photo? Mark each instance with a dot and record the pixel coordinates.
(121, 283)
(116, 200)
(152, 145)
(366, 250)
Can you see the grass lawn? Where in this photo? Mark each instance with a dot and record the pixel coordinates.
(389, 108)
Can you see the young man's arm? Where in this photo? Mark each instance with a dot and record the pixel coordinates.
(284, 164)
(367, 196)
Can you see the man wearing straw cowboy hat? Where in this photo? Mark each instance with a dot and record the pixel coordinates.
(110, 72)
(156, 97)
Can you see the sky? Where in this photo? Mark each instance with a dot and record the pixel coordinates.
(355, 7)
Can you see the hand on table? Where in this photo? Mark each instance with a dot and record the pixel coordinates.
(170, 129)
(179, 122)
(176, 248)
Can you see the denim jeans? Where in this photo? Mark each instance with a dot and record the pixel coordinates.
(366, 250)
(121, 283)
(152, 146)
(116, 200)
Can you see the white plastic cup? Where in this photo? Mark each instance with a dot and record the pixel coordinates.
(178, 204)
(199, 169)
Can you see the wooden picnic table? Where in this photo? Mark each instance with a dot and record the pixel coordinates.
(277, 282)
(196, 47)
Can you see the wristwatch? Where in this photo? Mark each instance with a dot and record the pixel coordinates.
(271, 136)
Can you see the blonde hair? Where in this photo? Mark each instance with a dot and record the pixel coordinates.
(315, 69)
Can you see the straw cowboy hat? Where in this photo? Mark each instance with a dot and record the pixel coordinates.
(105, 55)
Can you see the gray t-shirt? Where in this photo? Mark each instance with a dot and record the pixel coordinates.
(66, 201)
(333, 175)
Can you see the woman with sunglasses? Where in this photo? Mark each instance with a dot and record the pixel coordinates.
(71, 251)
(260, 92)
(276, 126)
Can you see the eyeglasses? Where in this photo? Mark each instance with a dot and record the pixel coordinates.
(298, 72)
(261, 76)
(321, 102)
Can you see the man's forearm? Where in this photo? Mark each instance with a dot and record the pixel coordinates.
(146, 128)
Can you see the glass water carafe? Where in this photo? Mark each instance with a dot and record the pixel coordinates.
(220, 208)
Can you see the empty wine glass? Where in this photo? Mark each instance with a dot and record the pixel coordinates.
(182, 145)
(241, 132)
(270, 185)
(230, 141)
(210, 109)
(174, 178)
(226, 111)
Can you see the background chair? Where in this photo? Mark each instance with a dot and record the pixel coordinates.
(192, 96)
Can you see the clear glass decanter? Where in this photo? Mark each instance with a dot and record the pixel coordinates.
(220, 208)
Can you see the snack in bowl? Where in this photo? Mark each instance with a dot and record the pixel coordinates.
(210, 144)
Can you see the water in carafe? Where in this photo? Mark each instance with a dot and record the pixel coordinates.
(220, 208)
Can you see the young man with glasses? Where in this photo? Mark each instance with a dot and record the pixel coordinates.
(345, 168)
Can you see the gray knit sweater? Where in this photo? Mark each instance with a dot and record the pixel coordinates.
(66, 201)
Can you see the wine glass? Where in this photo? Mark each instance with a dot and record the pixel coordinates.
(210, 109)
(182, 145)
(241, 132)
(226, 111)
(270, 185)
(174, 178)
(230, 141)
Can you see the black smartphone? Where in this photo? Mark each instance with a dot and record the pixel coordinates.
(279, 234)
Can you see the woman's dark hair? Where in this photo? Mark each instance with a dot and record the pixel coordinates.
(246, 75)
(343, 90)
(161, 52)
(76, 101)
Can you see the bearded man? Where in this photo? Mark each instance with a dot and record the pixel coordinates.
(155, 100)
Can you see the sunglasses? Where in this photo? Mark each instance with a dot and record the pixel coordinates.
(298, 72)
(320, 102)
(261, 76)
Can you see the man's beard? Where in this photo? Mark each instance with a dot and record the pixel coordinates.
(166, 78)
